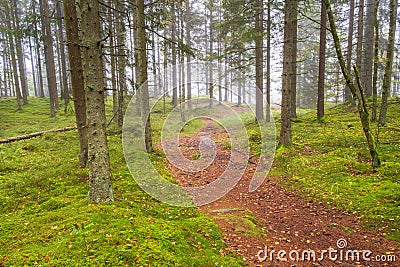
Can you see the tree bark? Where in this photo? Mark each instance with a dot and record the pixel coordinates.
(49, 57)
(188, 56)
(387, 78)
(64, 80)
(259, 59)
(78, 87)
(100, 188)
(376, 65)
(293, 80)
(289, 74)
(12, 54)
(121, 66)
(143, 76)
(321, 68)
(268, 72)
(347, 92)
(20, 54)
(368, 49)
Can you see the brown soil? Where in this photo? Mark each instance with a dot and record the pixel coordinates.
(277, 219)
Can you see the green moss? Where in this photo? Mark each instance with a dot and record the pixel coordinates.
(46, 219)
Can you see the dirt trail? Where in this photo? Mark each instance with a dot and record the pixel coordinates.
(277, 219)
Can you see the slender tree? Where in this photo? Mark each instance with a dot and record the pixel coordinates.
(143, 76)
(259, 10)
(49, 57)
(63, 78)
(347, 92)
(387, 78)
(12, 55)
(289, 74)
(78, 87)
(321, 68)
(368, 49)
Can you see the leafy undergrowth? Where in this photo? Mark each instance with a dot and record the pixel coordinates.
(46, 219)
(330, 162)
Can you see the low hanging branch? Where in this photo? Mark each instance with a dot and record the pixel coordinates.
(357, 95)
(29, 136)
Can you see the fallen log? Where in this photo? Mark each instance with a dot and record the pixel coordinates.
(29, 136)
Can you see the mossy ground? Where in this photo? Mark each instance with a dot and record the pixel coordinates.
(330, 162)
(46, 219)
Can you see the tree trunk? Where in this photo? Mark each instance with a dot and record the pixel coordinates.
(78, 87)
(387, 78)
(321, 69)
(293, 80)
(173, 55)
(20, 54)
(376, 65)
(32, 58)
(188, 56)
(289, 74)
(100, 188)
(259, 60)
(12, 54)
(121, 37)
(359, 95)
(368, 57)
(142, 79)
(39, 60)
(268, 74)
(63, 78)
(49, 57)
(347, 92)
(360, 34)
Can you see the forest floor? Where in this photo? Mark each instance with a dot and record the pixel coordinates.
(318, 192)
(272, 218)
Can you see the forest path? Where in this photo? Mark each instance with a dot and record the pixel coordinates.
(277, 219)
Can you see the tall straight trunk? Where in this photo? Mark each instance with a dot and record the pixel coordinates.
(293, 79)
(376, 65)
(143, 76)
(182, 85)
(121, 66)
(211, 49)
(39, 60)
(387, 78)
(259, 60)
(13, 56)
(289, 74)
(49, 57)
(357, 94)
(111, 32)
(173, 55)
(321, 68)
(360, 34)
(20, 54)
(32, 58)
(188, 56)
(78, 87)
(63, 78)
(268, 71)
(368, 57)
(154, 63)
(347, 92)
(100, 187)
